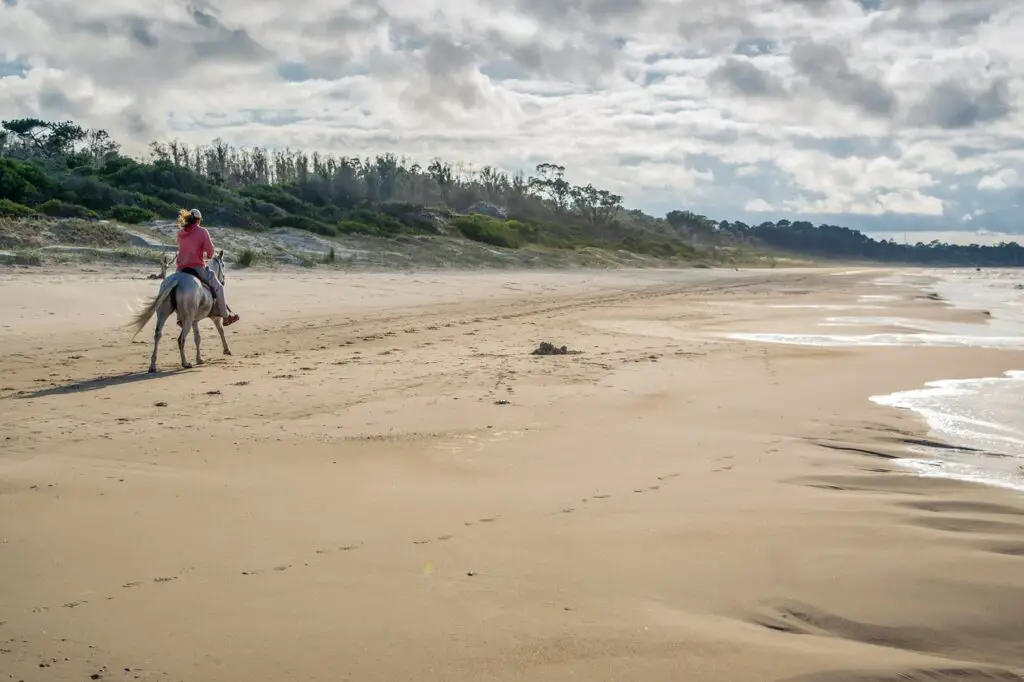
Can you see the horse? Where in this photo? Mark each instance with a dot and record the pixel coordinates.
(184, 293)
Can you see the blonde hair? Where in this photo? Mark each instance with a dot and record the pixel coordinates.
(186, 218)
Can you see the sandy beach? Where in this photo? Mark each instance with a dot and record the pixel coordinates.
(382, 483)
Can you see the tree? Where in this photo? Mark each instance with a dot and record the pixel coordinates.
(550, 181)
(598, 206)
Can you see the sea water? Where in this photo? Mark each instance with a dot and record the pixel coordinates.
(982, 417)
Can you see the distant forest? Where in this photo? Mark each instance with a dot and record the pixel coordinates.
(62, 170)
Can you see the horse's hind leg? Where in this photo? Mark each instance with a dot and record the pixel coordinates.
(195, 337)
(186, 325)
(223, 339)
(160, 319)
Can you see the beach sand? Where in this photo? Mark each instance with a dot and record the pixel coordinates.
(382, 483)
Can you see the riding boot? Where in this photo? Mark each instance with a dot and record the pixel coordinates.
(228, 318)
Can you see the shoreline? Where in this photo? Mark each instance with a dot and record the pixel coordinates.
(966, 322)
(397, 471)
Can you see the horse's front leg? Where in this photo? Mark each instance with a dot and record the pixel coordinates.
(160, 319)
(223, 339)
(182, 336)
(195, 336)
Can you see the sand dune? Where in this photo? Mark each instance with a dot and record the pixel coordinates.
(382, 483)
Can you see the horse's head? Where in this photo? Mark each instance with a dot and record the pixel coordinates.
(216, 265)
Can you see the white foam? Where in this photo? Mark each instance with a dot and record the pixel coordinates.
(969, 412)
(992, 291)
(868, 322)
(958, 471)
(980, 414)
(923, 340)
(826, 306)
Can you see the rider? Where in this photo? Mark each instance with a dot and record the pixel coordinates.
(194, 247)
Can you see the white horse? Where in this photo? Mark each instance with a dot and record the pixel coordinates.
(184, 293)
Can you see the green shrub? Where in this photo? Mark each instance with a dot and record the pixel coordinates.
(481, 228)
(278, 196)
(300, 222)
(245, 258)
(22, 257)
(23, 182)
(131, 215)
(91, 191)
(353, 227)
(158, 206)
(55, 208)
(375, 222)
(10, 209)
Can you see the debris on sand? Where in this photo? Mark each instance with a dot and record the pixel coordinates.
(546, 348)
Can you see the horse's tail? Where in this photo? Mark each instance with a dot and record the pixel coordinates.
(140, 320)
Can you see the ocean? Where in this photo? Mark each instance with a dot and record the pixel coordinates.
(982, 417)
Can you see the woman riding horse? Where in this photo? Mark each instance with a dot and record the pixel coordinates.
(194, 247)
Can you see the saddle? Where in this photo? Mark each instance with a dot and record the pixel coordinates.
(195, 274)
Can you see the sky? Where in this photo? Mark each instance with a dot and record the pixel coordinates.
(874, 114)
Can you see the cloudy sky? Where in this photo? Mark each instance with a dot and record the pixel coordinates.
(868, 113)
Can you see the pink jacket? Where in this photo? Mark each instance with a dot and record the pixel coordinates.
(194, 243)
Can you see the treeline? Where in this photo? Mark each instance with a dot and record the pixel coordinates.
(835, 242)
(61, 169)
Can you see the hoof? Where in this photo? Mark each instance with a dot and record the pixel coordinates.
(187, 365)
(152, 370)
(200, 362)
(227, 351)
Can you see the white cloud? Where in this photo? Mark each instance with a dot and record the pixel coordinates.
(1007, 177)
(758, 206)
(815, 108)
